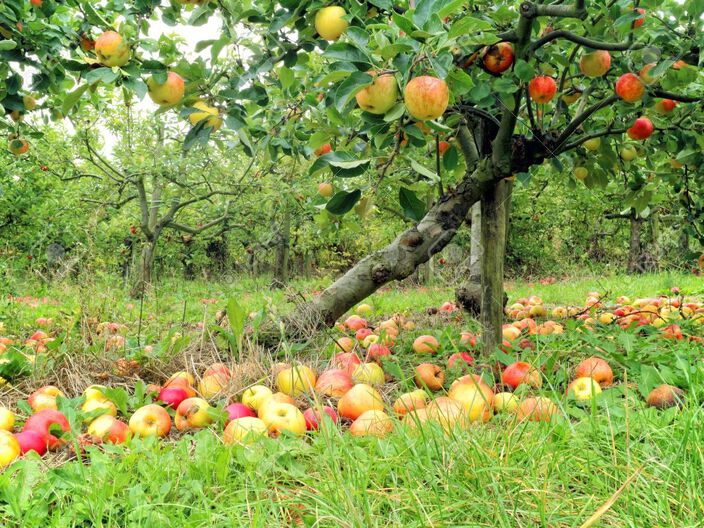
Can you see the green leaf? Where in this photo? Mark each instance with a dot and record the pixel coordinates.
(72, 99)
(451, 7)
(349, 87)
(395, 113)
(423, 171)
(403, 23)
(524, 71)
(450, 159)
(286, 77)
(237, 317)
(343, 202)
(7, 45)
(346, 52)
(104, 75)
(469, 24)
(413, 207)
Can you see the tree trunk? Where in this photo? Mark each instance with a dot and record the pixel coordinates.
(634, 251)
(281, 266)
(655, 231)
(144, 270)
(397, 260)
(494, 205)
(475, 248)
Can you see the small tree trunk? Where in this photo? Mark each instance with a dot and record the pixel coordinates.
(282, 252)
(655, 228)
(494, 203)
(634, 252)
(475, 248)
(144, 270)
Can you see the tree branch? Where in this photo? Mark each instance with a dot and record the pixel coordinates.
(530, 10)
(583, 41)
(601, 133)
(581, 118)
(676, 97)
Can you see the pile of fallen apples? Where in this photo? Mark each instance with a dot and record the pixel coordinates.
(301, 400)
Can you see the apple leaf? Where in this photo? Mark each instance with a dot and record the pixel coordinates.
(6, 45)
(423, 171)
(343, 202)
(412, 206)
(349, 87)
(346, 52)
(72, 99)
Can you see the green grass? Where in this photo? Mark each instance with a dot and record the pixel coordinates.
(501, 474)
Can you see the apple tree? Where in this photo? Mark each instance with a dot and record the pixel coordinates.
(501, 88)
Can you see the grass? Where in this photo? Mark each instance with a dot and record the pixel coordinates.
(501, 474)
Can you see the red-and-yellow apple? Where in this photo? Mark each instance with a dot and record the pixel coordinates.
(31, 441)
(238, 410)
(168, 93)
(372, 423)
(219, 369)
(665, 396)
(447, 412)
(334, 383)
(244, 430)
(645, 75)
(641, 129)
(538, 409)
(213, 385)
(430, 376)
(346, 361)
(9, 448)
(426, 97)
(497, 58)
(410, 401)
(325, 189)
(358, 399)
(630, 88)
(376, 351)
(330, 22)
(314, 417)
(355, 322)
(172, 396)
(192, 413)
(150, 420)
(109, 429)
(542, 89)
(596, 368)
(181, 377)
(111, 49)
(323, 149)
(380, 96)
(277, 397)
(665, 106)
(476, 400)
(505, 402)
(519, 373)
(296, 380)
(254, 396)
(582, 389)
(280, 417)
(425, 344)
(42, 423)
(595, 64)
(44, 398)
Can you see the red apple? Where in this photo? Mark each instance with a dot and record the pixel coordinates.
(376, 351)
(461, 358)
(630, 88)
(334, 383)
(638, 22)
(172, 396)
(542, 89)
(498, 58)
(426, 97)
(346, 361)
(430, 376)
(42, 422)
(597, 369)
(322, 149)
(665, 106)
(641, 129)
(238, 410)
(31, 441)
(314, 417)
(519, 373)
(443, 146)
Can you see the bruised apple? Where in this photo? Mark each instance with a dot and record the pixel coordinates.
(380, 96)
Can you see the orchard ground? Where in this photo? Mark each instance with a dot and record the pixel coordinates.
(612, 463)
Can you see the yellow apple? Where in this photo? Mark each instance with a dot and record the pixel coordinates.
(99, 404)
(7, 419)
(505, 402)
(9, 448)
(582, 389)
(107, 428)
(296, 380)
(254, 396)
(372, 423)
(212, 385)
(369, 373)
(380, 96)
(210, 114)
(476, 400)
(192, 413)
(329, 22)
(170, 92)
(280, 417)
(244, 430)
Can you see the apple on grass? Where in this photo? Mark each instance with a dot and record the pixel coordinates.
(369, 373)
(9, 448)
(425, 344)
(172, 396)
(538, 409)
(314, 417)
(31, 441)
(428, 375)
(296, 380)
(358, 399)
(460, 359)
(44, 398)
(7, 419)
(334, 383)
(447, 412)
(519, 373)
(108, 429)
(48, 423)
(238, 410)
(583, 389)
(150, 420)
(372, 423)
(192, 413)
(98, 406)
(280, 417)
(476, 400)
(254, 396)
(277, 397)
(505, 402)
(665, 396)
(410, 401)
(596, 368)
(213, 385)
(219, 369)
(244, 430)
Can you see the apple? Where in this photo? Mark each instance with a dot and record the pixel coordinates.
(172, 396)
(364, 309)
(330, 22)
(219, 369)
(213, 385)
(277, 397)
(355, 322)
(510, 332)
(426, 97)
(376, 351)
(628, 153)
(595, 64)
(369, 373)
(325, 189)
(476, 400)
(410, 401)
(638, 22)
(346, 361)
(207, 113)
(18, 146)
(462, 359)
(430, 376)
(322, 150)
(280, 417)
(44, 398)
(665, 106)
(254, 396)
(169, 92)
(29, 102)
(644, 74)
(596, 368)
(94, 392)
(334, 383)
(9, 448)
(380, 96)
(505, 402)
(363, 333)
(150, 420)
(181, 377)
(238, 410)
(296, 380)
(497, 58)
(109, 429)
(583, 389)
(370, 340)
(43, 422)
(244, 430)
(425, 344)
(99, 404)
(641, 129)
(542, 89)
(447, 412)
(592, 144)
(358, 399)
(314, 417)
(538, 409)
(581, 173)
(192, 413)
(7, 419)
(372, 423)
(665, 396)
(630, 88)
(111, 49)
(468, 339)
(519, 373)
(31, 441)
